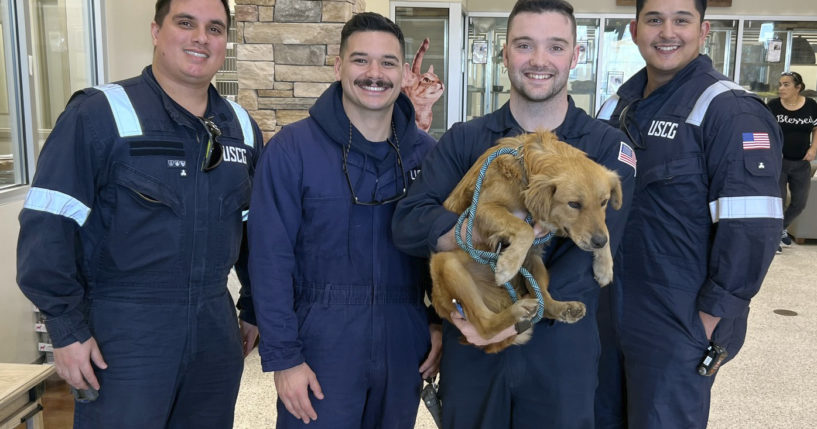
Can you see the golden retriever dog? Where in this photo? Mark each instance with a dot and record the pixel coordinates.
(565, 192)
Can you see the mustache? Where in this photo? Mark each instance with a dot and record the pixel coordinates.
(374, 82)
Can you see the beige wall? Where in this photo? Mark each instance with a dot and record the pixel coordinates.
(379, 6)
(128, 45)
(16, 312)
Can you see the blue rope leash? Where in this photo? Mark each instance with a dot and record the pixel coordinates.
(490, 258)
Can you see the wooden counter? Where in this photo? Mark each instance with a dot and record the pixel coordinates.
(21, 387)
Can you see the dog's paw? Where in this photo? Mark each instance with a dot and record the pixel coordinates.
(524, 309)
(603, 274)
(507, 267)
(523, 337)
(571, 312)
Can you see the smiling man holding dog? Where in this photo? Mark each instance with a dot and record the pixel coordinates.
(551, 380)
(703, 229)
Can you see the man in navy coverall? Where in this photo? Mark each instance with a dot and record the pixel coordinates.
(703, 228)
(550, 381)
(340, 309)
(131, 226)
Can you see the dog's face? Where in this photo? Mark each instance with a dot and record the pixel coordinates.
(571, 197)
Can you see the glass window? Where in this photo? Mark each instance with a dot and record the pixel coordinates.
(721, 45)
(43, 63)
(62, 58)
(488, 86)
(621, 58)
(772, 47)
(8, 123)
(583, 78)
(419, 23)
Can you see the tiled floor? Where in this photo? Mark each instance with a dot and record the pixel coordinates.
(771, 384)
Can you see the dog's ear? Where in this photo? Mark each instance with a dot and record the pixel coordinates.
(615, 190)
(539, 194)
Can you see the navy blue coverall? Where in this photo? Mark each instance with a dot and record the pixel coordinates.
(703, 228)
(124, 238)
(550, 381)
(330, 288)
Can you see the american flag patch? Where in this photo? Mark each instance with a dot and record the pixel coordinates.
(752, 141)
(626, 155)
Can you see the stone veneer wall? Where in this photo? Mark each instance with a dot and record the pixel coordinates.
(285, 55)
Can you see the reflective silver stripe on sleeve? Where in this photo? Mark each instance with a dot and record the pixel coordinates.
(123, 112)
(696, 116)
(608, 108)
(55, 202)
(246, 124)
(746, 208)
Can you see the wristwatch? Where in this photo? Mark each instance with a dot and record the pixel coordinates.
(522, 326)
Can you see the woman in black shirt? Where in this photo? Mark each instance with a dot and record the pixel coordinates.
(797, 116)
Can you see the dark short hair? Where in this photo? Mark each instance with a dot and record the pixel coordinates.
(163, 7)
(699, 4)
(796, 78)
(370, 21)
(542, 6)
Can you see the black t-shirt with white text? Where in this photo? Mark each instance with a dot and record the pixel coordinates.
(797, 126)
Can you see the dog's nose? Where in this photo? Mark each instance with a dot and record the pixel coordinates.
(598, 241)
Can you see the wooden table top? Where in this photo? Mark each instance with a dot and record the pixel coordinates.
(18, 378)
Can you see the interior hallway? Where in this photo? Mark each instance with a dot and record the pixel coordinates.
(772, 383)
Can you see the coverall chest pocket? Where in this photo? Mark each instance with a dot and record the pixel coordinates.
(682, 181)
(147, 224)
(673, 198)
(230, 227)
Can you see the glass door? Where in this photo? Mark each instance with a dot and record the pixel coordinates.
(63, 58)
(582, 83)
(721, 45)
(487, 84)
(434, 24)
(47, 52)
(9, 127)
(619, 58)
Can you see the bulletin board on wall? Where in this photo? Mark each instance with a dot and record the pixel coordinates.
(710, 3)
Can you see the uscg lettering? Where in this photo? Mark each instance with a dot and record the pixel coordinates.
(235, 154)
(664, 129)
